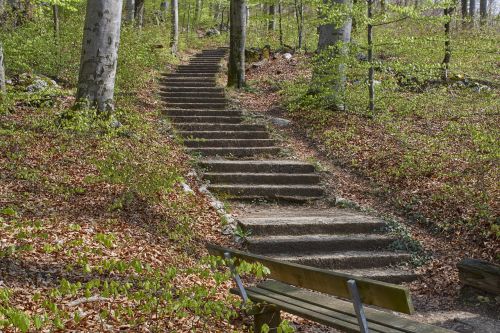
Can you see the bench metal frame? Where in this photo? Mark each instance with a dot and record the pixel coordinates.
(353, 289)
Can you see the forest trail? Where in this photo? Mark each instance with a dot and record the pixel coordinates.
(242, 162)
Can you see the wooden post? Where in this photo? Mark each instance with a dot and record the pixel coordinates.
(480, 274)
(268, 315)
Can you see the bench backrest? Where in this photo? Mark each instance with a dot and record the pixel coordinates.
(385, 295)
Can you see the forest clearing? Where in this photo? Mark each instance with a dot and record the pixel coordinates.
(249, 166)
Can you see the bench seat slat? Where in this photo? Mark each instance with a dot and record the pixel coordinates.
(347, 320)
(304, 313)
(373, 316)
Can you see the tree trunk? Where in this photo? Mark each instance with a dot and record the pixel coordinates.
(237, 40)
(447, 43)
(130, 11)
(3, 87)
(101, 39)
(330, 35)
(472, 9)
(272, 22)
(174, 34)
(280, 25)
(139, 13)
(371, 71)
(197, 12)
(463, 8)
(55, 18)
(299, 16)
(247, 16)
(483, 11)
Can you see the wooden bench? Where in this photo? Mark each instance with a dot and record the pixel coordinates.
(308, 292)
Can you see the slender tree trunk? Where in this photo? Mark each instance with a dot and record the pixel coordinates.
(197, 12)
(463, 9)
(371, 72)
(299, 16)
(3, 87)
(221, 25)
(483, 11)
(139, 13)
(188, 26)
(247, 16)
(280, 24)
(237, 36)
(130, 11)
(472, 10)
(55, 18)
(272, 21)
(447, 44)
(101, 39)
(174, 35)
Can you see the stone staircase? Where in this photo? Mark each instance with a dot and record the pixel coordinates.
(238, 158)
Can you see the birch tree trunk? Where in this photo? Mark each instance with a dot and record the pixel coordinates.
(472, 10)
(330, 35)
(3, 87)
(174, 34)
(101, 39)
(130, 11)
(237, 40)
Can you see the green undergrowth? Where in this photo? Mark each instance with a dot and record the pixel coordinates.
(431, 144)
(97, 232)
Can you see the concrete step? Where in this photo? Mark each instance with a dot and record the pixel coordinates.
(249, 191)
(235, 151)
(191, 89)
(204, 72)
(192, 85)
(391, 275)
(347, 259)
(190, 105)
(264, 166)
(188, 79)
(336, 223)
(224, 134)
(262, 178)
(202, 113)
(220, 143)
(194, 94)
(200, 99)
(206, 119)
(317, 243)
(204, 62)
(209, 69)
(189, 75)
(218, 127)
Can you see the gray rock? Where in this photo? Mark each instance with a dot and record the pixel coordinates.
(212, 32)
(280, 122)
(287, 56)
(37, 85)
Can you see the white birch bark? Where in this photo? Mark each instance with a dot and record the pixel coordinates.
(174, 33)
(130, 11)
(101, 39)
(330, 34)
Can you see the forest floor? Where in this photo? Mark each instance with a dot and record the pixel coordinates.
(437, 294)
(101, 227)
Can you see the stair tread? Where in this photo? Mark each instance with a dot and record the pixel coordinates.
(302, 220)
(342, 254)
(317, 237)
